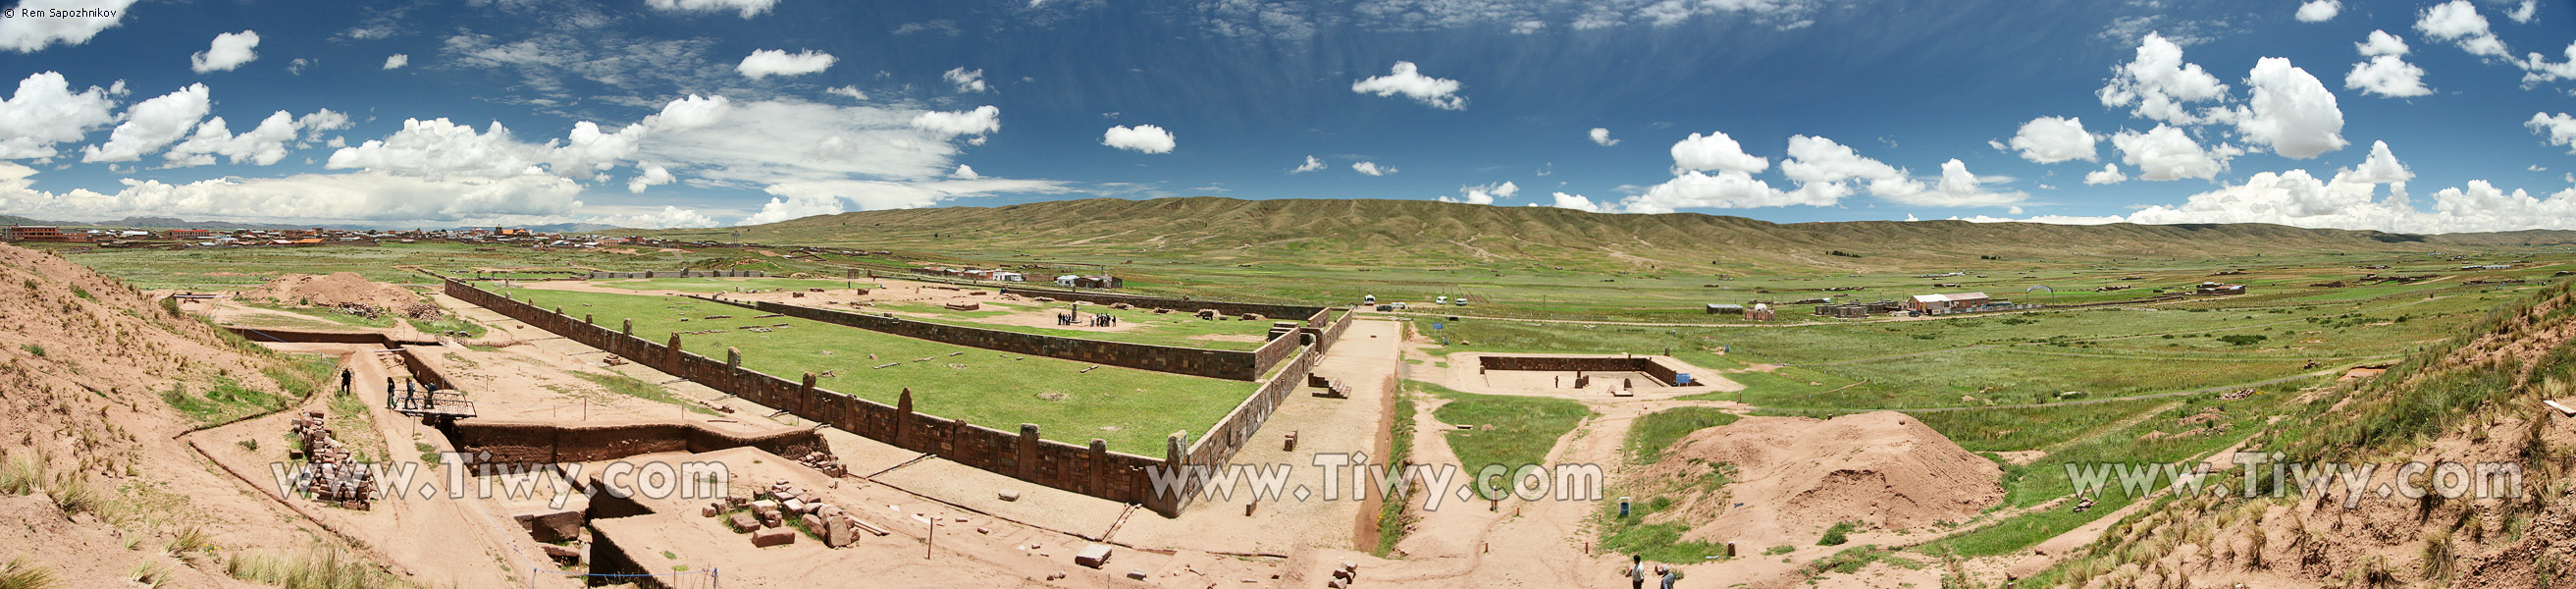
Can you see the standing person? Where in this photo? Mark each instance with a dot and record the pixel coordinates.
(389, 392)
(345, 375)
(1636, 571)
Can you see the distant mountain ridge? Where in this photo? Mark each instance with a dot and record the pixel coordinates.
(1413, 233)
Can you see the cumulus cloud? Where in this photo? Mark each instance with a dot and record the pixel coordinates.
(229, 51)
(748, 8)
(2319, 10)
(965, 80)
(2157, 83)
(1311, 164)
(1958, 188)
(2384, 71)
(1141, 138)
(802, 199)
(152, 124)
(2049, 140)
(321, 121)
(948, 124)
(2559, 129)
(1823, 168)
(1576, 202)
(29, 35)
(2522, 13)
(45, 112)
(397, 61)
(2381, 168)
(1715, 151)
(850, 91)
(2166, 153)
(778, 62)
(354, 197)
(2291, 111)
(263, 145)
(1407, 80)
(2538, 69)
(1484, 195)
(2458, 21)
(965, 172)
(1371, 168)
(648, 175)
(1728, 189)
(670, 217)
(1602, 136)
(2109, 174)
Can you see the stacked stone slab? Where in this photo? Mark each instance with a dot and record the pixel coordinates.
(337, 476)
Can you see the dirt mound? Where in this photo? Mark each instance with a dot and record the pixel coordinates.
(344, 290)
(1791, 476)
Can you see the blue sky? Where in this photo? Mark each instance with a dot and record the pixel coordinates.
(716, 112)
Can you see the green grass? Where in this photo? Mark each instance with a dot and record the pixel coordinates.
(1392, 519)
(1655, 432)
(329, 314)
(637, 388)
(1142, 326)
(1656, 542)
(1506, 430)
(716, 285)
(223, 401)
(1132, 409)
(448, 324)
(21, 573)
(316, 567)
(1836, 535)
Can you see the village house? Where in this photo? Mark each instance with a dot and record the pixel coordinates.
(1946, 302)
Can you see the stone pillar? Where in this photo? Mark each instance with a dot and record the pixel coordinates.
(585, 320)
(1028, 453)
(903, 419)
(1097, 485)
(675, 350)
(630, 328)
(805, 398)
(733, 359)
(1168, 502)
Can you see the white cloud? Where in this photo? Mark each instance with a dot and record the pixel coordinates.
(1311, 164)
(2458, 21)
(2109, 174)
(2166, 153)
(965, 80)
(801, 199)
(965, 172)
(785, 208)
(1727, 190)
(397, 61)
(778, 62)
(2160, 84)
(1958, 188)
(1821, 167)
(748, 8)
(2319, 10)
(2291, 111)
(691, 112)
(152, 124)
(850, 91)
(2381, 168)
(29, 35)
(1602, 136)
(45, 112)
(1141, 138)
(1405, 79)
(2538, 69)
(2385, 73)
(1371, 168)
(263, 145)
(321, 121)
(229, 51)
(1715, 151)
(1484, 195)
(297, 65)
(1576, 202)
(2049, 140)
(670, 217)
(356, 197)
(2560, 128)
(2522, 13)
(648, 175)
(947, 124)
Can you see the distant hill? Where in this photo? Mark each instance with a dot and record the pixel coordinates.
(1415, 233)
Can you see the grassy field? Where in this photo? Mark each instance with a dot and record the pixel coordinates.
(1132, 409)
(1506, 430)
(1657, 431)
(716, 285)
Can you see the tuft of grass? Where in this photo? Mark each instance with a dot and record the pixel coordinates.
(21, 573)
(22, 473)
(149, 574)
(193, 539)
(33, 350)
(316, 567)
(1779, 550)
(73, 494)
(1837, 535)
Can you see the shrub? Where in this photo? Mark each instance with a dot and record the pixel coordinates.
(33, 350)
(20, 573)
(1836, 536)
(2241, 339)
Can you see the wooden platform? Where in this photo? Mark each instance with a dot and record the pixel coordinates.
(427, 404)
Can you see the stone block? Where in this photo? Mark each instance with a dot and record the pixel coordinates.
(552, 526)
(839, 532)
(1092, 556)
(563, 553)
(773, 537)
(708, 511)
(764, 506)
(812, 522)
(795, 506)
(1137, 574)
(742, 522)
(1008, 495)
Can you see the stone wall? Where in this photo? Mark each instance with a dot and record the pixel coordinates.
(535, 442)
(1649, 366)
(1226, 364)
(1090, 470)
(1217, 447)
(1181, 305)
